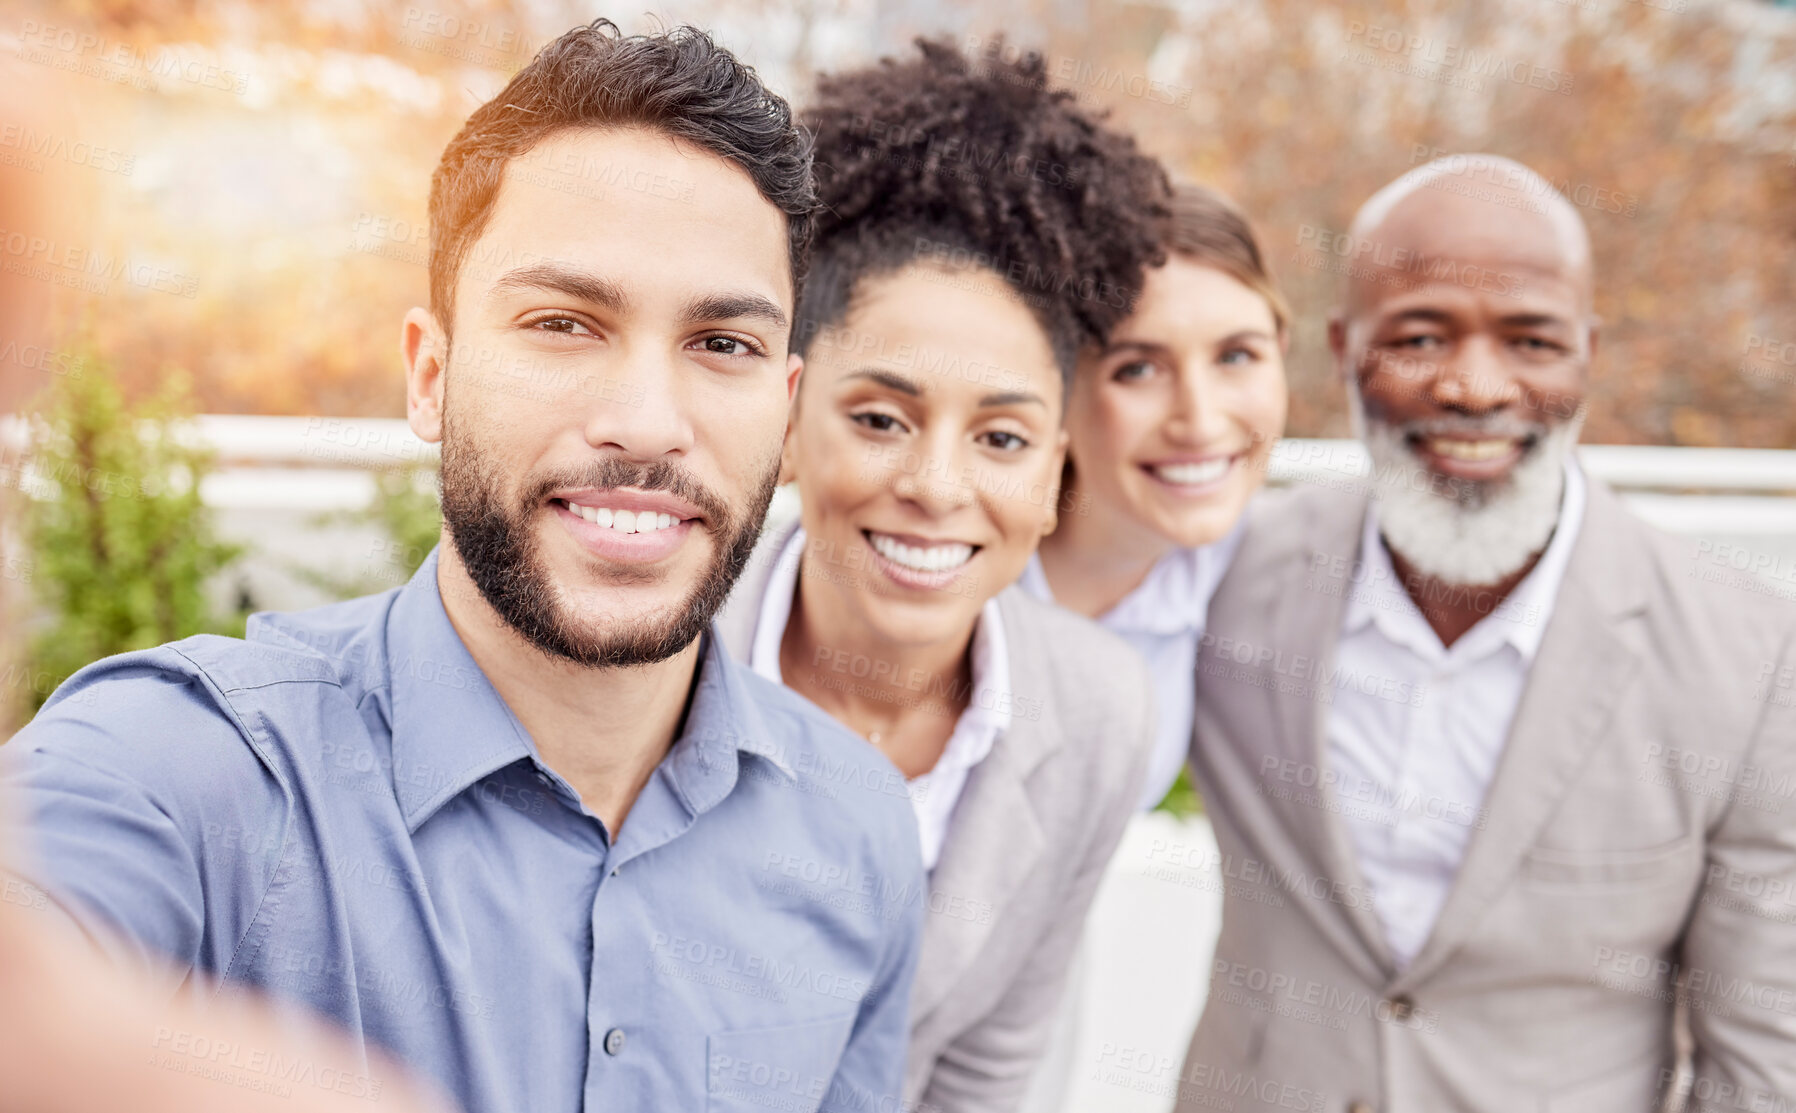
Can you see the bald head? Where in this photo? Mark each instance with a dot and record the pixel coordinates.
(1470, 209)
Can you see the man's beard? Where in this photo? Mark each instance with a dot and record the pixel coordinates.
(498, 546)
(1465, 532)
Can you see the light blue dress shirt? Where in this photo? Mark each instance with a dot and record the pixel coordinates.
(342, 811)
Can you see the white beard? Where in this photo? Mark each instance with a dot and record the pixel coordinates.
(1459, 532)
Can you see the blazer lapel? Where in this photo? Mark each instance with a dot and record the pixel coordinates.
(995, 841)
(996, 837)
(1574, 682)
(1312, 617)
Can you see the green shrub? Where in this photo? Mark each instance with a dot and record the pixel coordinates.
(122, 547)
(405, 508)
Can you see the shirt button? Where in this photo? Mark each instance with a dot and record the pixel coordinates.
(1402, 1008)
(614, 1041)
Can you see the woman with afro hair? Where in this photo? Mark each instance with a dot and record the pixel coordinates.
(979, 233)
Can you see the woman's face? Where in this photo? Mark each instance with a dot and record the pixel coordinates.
(1173, 423)
(927, 448)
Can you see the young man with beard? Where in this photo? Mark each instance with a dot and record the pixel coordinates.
(1502, 791)
(521, 822)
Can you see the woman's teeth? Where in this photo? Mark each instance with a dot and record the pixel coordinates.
(624, 521)
(1454, 449)
(936, 558)
(1194, 475)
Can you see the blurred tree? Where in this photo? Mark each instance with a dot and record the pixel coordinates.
(122, 546)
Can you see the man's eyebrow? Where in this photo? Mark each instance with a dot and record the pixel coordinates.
(726, 307)
(888, 379)
(1422, 313)
(582, 285)
(1535, 320)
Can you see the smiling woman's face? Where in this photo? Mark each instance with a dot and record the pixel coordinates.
(1173, 423)
(926, 446)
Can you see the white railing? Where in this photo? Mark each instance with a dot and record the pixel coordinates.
(325, 463)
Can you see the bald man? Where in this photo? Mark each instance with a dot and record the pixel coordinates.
(1502, 791)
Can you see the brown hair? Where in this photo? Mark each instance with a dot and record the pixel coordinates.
(680, 83)
(1206, 227)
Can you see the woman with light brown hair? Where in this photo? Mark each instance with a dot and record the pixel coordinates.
(1172, 425)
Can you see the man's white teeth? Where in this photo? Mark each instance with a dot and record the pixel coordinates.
(1470, 450)
(1193, 475)
(936, 558)
(624, 521)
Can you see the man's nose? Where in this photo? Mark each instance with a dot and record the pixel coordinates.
(1473, 379)
(641, 407)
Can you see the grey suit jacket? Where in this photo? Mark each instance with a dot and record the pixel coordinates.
(1640, 828)
(1035, 826)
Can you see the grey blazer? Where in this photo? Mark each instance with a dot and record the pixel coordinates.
(1640, 827)
(1033, 830)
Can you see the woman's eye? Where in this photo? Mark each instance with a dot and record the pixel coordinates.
(876, 421)
(1004, 440)
(1133, 370)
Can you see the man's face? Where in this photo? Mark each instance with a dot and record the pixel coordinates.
(612, 406)
(1468, 348)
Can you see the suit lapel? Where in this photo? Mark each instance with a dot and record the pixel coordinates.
(1573, 685)
(1312, 617)
(996, 838)
(992, 846)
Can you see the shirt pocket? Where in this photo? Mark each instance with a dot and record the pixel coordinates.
(788, 1068)
(1611, 870)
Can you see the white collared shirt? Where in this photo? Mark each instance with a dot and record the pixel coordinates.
(987, 716)
(1415, 728)
(1163, 618)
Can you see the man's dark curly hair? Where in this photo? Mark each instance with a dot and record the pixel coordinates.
(954, 160)
(680, 83)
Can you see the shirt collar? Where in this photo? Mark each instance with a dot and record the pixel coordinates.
(988, 708)
(1174, 596)
(1380, 599)
(451, 728)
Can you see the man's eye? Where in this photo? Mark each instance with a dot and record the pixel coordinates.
(558, 324)
(1238, 356)
(1538, 345)
(1417, 343)
(876, 421)
(1004, 440)
(729, 346)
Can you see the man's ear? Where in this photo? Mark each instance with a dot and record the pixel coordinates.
(425, 350)
(794, 369)
(1337, 342)
(788, 445)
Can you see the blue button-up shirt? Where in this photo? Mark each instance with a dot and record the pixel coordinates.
(341, 810)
